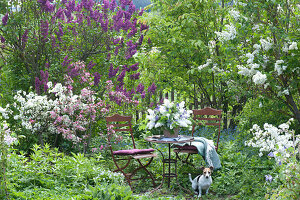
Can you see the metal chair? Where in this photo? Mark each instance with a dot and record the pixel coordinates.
(123, 158)
(207, 117)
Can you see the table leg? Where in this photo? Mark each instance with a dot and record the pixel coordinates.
(169, 175)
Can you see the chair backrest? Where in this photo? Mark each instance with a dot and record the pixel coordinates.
(208, 117)
(121, 123)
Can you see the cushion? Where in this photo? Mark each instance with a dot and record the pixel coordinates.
(132, 151)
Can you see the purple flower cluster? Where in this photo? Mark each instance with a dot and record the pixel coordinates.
(44, 30)
(134, 67)
(140, 88)
(113, 5)
(43, 81)
(135, 76)
(97, 77)
(131, 49)
(46, 5)
(144, 27)
(121, 77)
(152, 88)
(91, 65)
(127, 69)
(66, 61)
(88, 4)
(141, 12)
(2, 39)
(4, 19)
(112, 71)
(59, 33)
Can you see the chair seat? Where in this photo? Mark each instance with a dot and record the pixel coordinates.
(132, 151)
(186, 147)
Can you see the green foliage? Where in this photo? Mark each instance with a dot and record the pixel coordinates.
(260, 111)
(49, 174)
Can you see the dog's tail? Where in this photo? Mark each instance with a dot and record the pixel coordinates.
(190, 177)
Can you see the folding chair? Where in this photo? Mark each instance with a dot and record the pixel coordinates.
(208, 117)
(123, 158)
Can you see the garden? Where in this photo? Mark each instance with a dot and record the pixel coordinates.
(67, 66)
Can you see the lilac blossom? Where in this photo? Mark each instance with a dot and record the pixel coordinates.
(44, 29)
(88, 4)
(60, 14)
(143, 95)
(152, 88)
(121, 76)
(131, 8)
(4, 19)
(46, 5)
(144, 27)
(132, 32)
(66, 61)
(141, 39)
(38, 84)
(2, 39)
(97, 77)
(131, 49)
(105, 4)
(140, 88)
(116, 52)
(126, 68)
(135, 76)
(141, 12)
(112, 71)
(113, 5)
(91, 65)
(134, 67)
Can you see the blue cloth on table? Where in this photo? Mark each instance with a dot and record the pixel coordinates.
(207, 150)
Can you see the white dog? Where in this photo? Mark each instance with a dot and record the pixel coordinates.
(202, 182)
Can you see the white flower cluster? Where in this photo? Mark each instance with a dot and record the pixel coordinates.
(259, 78)
(266, 44)
(228, 34)
(289, 46)
(4, 129)
(273, 139)
(169, 115)
(234, 14)
(279, 68)
(208, 62)
(33, 110)
(5, 111)
(284, 92)
(109, 177)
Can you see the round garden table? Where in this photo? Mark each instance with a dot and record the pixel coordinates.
(160, 139)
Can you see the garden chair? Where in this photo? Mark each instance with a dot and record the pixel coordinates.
(207, 117)
(124, 158)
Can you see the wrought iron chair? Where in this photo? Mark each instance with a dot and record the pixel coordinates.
(123, 158)
(207, 117)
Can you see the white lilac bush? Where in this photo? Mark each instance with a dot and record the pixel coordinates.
(274, 141)
(169, 115)
(283, 145)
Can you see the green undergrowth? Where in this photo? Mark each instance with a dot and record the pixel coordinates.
(49, 174)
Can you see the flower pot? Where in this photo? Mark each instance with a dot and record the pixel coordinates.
(170, 134)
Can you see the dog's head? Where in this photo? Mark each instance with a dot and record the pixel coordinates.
(207, 171)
